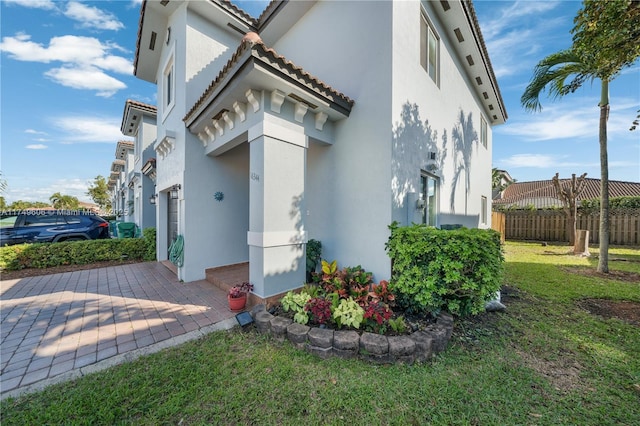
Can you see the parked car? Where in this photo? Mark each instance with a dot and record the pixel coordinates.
(50, 226)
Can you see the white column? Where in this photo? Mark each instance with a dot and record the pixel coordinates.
(276, 235)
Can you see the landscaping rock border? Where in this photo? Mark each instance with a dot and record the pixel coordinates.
(419, 346)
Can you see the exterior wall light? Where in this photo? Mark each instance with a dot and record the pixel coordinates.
(153, 198)
(173, 192)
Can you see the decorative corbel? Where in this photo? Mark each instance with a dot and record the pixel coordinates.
(277, 99)
(301, 110)
(321, 118)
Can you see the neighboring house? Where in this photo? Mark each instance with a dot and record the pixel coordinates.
(118, 180)
(139, 122)
(321, 119)
(542, 194)
(503, 183)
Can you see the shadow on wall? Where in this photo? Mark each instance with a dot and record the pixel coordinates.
(464, 138)
(413, 143)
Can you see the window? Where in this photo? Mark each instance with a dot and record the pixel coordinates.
(168, 86)
(429, 49)
(43, 220)
(483, 210)
(483, 132)
(429, 194)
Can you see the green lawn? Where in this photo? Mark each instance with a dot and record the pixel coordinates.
(545, 361)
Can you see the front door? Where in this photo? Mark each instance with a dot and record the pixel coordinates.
(172, 220)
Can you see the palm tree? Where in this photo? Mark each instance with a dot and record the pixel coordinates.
(553, 72)
(606, 39)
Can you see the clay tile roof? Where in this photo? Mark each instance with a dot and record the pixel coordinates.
(143, 107)
(544, 191)
(238, 11)
(259, 50)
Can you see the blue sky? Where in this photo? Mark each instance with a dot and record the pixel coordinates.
(66, 72)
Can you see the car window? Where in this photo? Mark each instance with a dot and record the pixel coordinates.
(42, 220)
(8, 221)
(73, 219)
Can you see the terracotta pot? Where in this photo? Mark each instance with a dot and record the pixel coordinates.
(237, 303)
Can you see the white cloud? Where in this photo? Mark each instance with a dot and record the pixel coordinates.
(86, 78)
(90, 129)
(74, 187)
(85, 61)
(542, 161)
(526, 27)
(33, 4)
(36, 146)
(35, 132)
(571, 118)
(92, 17)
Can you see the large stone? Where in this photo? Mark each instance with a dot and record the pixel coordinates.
(374, 344)
(439, 334)
(345, 353)
(323, 353)
(346, 340)
(401, 346)
(263, 321)
(423, 343)
(297, 334)
(279, 327)
(321, 337)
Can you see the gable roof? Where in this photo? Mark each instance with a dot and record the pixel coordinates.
(252, 49)
(278, 15)
(542, 193)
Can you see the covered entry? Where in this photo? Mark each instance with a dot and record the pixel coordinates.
(263, 100)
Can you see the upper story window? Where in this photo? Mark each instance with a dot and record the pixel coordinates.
(168, 86)
(429, 49)
(483, 131)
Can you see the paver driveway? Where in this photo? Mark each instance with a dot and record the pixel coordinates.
(61, 326)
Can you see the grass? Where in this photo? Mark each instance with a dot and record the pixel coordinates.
(544, 361)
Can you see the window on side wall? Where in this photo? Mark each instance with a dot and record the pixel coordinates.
(429, 194)
(483, 131)
(169, 86)
(429, 49)
(483, 210)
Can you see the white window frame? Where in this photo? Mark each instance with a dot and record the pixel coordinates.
(427, 34)
(484, 133)
(168, 85)
(483, 210)
(430, 203)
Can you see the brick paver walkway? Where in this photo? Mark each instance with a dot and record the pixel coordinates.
(58, 327)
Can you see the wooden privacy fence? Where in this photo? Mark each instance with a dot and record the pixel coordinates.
(551, 225)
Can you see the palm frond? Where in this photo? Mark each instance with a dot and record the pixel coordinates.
(551, 74)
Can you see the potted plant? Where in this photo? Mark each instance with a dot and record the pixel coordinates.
(237, 296)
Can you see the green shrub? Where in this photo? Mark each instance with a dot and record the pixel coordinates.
(149, 235)
(78, 252)
(458, 270)
(593, 205)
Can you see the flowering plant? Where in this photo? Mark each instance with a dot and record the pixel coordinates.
(240, 290)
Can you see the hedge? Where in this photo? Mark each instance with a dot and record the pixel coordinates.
(453, 270)
(46, 255)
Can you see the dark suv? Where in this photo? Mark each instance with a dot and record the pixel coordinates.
(50, 226)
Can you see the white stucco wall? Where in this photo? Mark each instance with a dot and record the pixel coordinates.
(350, 193)
(348, 189)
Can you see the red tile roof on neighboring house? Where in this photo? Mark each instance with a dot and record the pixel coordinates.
(542, 193)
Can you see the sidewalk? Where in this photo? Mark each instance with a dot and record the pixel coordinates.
(59, 327)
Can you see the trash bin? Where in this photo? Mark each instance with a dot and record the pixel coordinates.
(450, 227)
(126, 230)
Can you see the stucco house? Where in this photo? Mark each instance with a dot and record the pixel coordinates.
(132, 178)
(319, 119)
